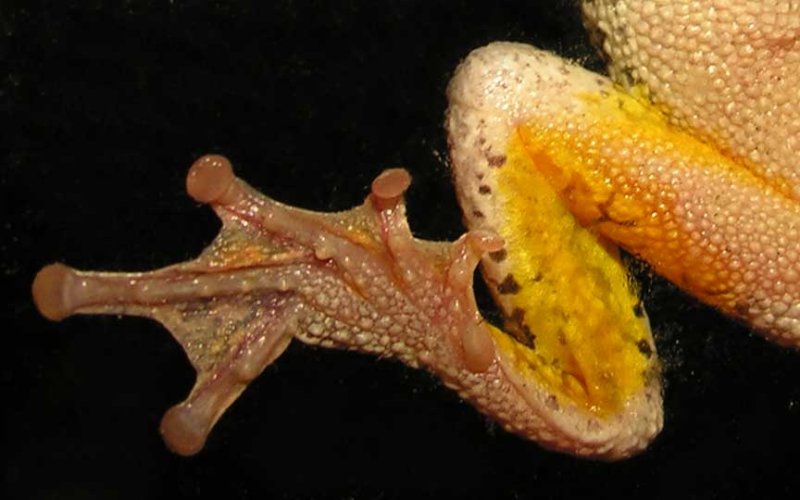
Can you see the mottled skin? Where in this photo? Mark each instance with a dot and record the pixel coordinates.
(698, 216)
(359, 280)
(727, 72)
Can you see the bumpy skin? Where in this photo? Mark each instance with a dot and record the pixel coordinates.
(698, 216)
(493, 92)
(355, 280)
(729, 70)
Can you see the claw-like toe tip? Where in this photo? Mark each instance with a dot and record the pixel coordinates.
(391, 183)
(182, 432)
(48, 289)
(209, 179)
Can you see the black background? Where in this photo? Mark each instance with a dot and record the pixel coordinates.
(106, 107)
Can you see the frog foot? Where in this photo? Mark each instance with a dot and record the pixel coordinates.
(355, 280)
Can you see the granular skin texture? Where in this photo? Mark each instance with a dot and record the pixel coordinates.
(738, 88)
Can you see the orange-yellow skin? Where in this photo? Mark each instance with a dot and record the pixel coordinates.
(698, 217)
(574, 331)
(573, 294)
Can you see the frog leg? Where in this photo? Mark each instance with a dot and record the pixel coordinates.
(701, 218)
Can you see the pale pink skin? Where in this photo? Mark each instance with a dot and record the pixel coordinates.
(355, 280)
